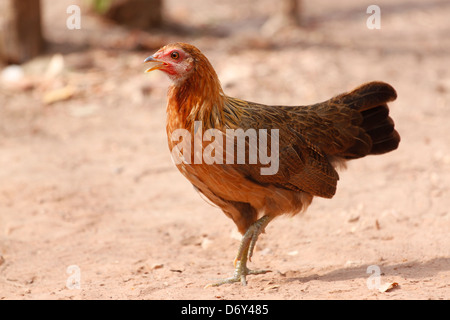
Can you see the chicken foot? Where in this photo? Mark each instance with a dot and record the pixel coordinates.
(245, 252)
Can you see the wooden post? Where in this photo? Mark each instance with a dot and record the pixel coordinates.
(20, 30)
(290, 9)
(286, 16)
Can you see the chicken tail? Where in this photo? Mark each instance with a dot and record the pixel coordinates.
(370, 100)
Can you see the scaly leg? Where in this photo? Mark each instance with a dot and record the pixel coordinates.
(245, 253)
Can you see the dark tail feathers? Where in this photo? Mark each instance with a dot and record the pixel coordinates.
(371, 101)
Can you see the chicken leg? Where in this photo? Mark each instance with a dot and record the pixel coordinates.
(245, 252)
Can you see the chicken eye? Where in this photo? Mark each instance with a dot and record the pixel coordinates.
(175, 55)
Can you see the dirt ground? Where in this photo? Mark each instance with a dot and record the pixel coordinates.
(88, 191)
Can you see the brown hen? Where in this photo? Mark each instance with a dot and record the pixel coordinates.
(207, 129)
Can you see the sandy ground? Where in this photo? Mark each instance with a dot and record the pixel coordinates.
(88, 191)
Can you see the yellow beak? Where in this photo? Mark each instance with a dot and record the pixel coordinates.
(160, 64)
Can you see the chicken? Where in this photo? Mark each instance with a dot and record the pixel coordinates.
(306, 144)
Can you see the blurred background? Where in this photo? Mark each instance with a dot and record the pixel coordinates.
(86, 178)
